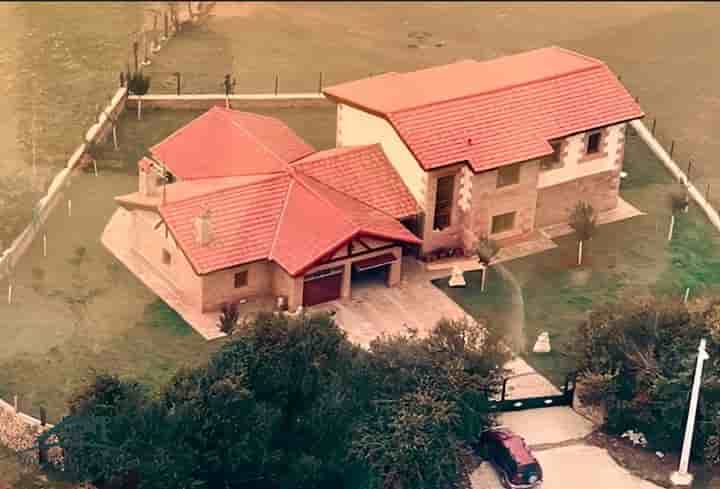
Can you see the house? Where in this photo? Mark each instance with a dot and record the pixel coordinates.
(502, 148)
(235, 205)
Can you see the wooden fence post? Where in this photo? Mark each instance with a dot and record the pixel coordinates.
(276, 84)
(654, 124)
(688, 170)
(707, 193)
(320, 83)
(672, 147)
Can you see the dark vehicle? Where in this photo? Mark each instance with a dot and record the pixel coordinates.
(517, 466)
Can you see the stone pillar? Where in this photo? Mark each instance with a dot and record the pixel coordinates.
(345, 291)
(395, 273)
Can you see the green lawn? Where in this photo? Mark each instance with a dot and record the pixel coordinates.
(78, 309)
(625, 260)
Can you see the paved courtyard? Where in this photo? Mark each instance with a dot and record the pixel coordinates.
(375, 309)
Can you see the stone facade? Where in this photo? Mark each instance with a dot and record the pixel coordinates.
(555, 203)
(542, 196)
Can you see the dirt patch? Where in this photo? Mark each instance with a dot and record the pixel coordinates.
(646, 464)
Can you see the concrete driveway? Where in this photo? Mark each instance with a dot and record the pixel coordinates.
(375, 309)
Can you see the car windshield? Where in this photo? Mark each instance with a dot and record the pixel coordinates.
(529, 469)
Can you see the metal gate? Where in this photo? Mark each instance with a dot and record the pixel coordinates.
(563, 397)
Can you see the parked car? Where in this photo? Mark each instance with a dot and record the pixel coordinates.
(507, 451)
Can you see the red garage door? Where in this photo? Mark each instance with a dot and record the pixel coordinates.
(322, 286)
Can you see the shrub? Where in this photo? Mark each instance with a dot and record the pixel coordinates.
(229, 315)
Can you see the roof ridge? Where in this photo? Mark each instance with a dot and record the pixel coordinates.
(294, 175)
(305, 175)
(286, 199)
(180, 129)
(253, 136)
(349, 149)
(499, 89)
(271, 176)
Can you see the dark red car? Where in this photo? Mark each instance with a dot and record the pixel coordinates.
(517, 466)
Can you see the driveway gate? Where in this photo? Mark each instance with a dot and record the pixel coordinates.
(540, 398)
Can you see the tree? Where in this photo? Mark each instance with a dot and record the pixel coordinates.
(639, 359)
(290, 403)
(583, 221)
(485, 249)
(138, 84)
(229, 317)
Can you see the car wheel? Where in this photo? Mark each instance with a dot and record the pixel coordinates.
(532, 479)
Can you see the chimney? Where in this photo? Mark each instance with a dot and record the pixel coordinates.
(203, 233)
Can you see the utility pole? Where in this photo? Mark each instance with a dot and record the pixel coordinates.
(682, 477)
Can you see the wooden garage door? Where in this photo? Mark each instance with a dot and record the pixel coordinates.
(322, 286)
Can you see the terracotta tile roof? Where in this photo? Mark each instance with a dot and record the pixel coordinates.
(317, 220)
(289, 218)
(495, 112)
(243, 222)
(223, 143)
(362, 172)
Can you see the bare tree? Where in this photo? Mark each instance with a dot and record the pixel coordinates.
(485, 249)
(583, 221)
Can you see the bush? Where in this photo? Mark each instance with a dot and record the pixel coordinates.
(137, 83)
(640, 360)
(292, 404)
(229, 315)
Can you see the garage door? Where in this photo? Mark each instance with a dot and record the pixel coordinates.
(322, 286)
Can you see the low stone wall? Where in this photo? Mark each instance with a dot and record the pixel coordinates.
(96, 134)
(241, 102)
(19, 432)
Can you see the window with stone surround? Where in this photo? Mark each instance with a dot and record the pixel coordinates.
(241, 279)
(503, 222)
(443, 201)
(508, 175)
(166, 257)
(593, 142)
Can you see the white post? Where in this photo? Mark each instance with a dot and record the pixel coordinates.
(139, 107)
(15, 402)
(672, 225)
(681, 477)
(95, 166)
(44, 245)
(482, 278)
(115, 141)
(9, 293)
(69, 207)
(686, 296)
(580, 252)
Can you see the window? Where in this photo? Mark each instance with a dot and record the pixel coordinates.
(508, 175)
(443, 201)
(503, 222)
(593, 142)
(554, 160)
(166, 257)
(241, 279)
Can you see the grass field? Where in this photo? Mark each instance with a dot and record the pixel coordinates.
(78, 309)
(624, 261)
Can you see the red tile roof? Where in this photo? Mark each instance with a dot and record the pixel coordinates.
(243, 222)
(496, 112)
(294, 214)
(362, 172)
(224, 143)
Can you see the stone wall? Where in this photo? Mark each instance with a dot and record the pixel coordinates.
(555, 203)
(240, 102)
(96, 134)
(19, 432)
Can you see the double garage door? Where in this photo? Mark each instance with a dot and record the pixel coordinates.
(322, 286)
